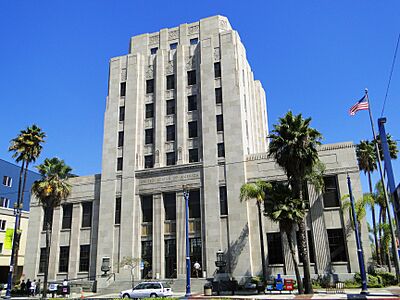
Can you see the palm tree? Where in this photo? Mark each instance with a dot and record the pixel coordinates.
(50, 191)
(257, 191)
(393, 150)
(386, 241)
(27, 147)
(294, 147)
(281, 207)
(366, 157)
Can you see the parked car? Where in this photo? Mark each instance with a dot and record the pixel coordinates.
(148, 290)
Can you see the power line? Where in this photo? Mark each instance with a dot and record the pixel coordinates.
(390, 76)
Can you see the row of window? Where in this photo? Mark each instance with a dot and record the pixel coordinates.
(67, 216)
(63, 262)
(173, 46)
(7, 181)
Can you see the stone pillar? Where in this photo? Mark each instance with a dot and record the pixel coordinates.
(74, 246)
(55, 244)
(158, 236)
(180, 236)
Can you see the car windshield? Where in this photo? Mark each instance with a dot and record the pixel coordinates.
(166, 285)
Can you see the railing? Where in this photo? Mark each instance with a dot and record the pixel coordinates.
(147, 229)
(169, 227)
(194, 225)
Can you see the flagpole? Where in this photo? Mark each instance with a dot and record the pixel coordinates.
(394, 244)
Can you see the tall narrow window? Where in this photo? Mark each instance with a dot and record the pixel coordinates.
(194, 204)
(122, 90)
(171, 133)
(149, 110)
(194, 41)
(191, 75)
(1, 248)
(170, 82)
(331, 193)
(84, 258)
(86, 214)
(337, 245)
(223, 201)
(147, 258)
(275, 250)
(117, 217)
(192, 129)
(149, 86)
(170, 206)
(217, 69)
(48, 218)
(3, 225)
(67, 216)
(64, 259)
(153, 50)
(220, 123)
(170, 158)
(221, 149)
(171, 107)
(173, 46)
(120, 162)
(218, 95)
(147, 208)
(120, 138)
(311, 250)
(42, 260)
(7, 181)
(193, 155)
(192, 103)
(170, 258)
(148, 161)
(148, 136)
(122, 113)
(4, 202)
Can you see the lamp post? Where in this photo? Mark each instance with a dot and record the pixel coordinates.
(186, 195)
(364, 288)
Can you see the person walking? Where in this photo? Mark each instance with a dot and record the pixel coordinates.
(22, 287)
(37, 291)
(28, 287)
(197, 268)
(33, 288)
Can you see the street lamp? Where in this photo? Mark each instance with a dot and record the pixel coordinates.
(186, 196)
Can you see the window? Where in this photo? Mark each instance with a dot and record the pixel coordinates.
(117, 217)
(220, 123)
(122, 113)
(2, 225)
(147, 208)
(171, 107)
(217, 70)
(311, 250)
(192, 129)
(331, 194)
(149, 110)
(154, 50)
(337, 245)
(148, 136)
(4, 202)
(193, 155)
(64, 259)
(42, 260)
(194, 204)
(149, 86)
(84, 258)
(194, 41)
(170, 259)
(7, 181)
(221, 150)
(122, 89)
(120, 138)
(223, 201)
(170, 82)
(192, 103)
(67, 216)
(170, 158)
(275, 250)
(147, 257)
(48, 218)
(171, 133)
(191, 77)
(87, 214)
(1, 248)
(173, 46)
(170, 206)
(148, 161)
(218, 95)
(120, 163)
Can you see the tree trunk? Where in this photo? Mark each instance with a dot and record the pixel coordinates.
(295, 262)
(48, 212)
(20, 203)
(264, 269)
(377, 250)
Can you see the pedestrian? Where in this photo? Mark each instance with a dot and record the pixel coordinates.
(28, 287)
(197, 267)
(65, 287)
(22, 287)
(53, 289)
(37, 291)
(33, 288)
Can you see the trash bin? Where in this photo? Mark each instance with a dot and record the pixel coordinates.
(207, 289)
(288, 285)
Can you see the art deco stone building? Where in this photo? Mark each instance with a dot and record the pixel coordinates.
(183, 108)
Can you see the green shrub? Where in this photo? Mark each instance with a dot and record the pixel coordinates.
(388, 279)
(372, 281)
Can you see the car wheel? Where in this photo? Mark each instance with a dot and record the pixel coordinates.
(153, 295)
(125, 296)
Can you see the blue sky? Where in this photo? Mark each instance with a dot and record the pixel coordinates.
(313, 57)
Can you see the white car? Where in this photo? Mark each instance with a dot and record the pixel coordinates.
(148, 290)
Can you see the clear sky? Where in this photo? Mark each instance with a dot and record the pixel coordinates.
(313, 57)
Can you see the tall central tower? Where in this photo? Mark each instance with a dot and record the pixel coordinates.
(183, 108)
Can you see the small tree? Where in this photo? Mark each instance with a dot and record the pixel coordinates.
(131, 263)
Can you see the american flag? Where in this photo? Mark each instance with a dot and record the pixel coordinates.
(362, 104)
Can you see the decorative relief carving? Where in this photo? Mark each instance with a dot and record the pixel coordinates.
(173, 34)
(223, 24)
(169, 94)
(148, 149)
(148, 123)
(150, 72)
(169, 146)
(169, 120)
(217, 53)
(154, 39)
(178, 177)
(157, 157)
(193, 29)
(169, 68)
(149, 98)
(179, 153)
(191, 63)
(123, 74)
(191, 90)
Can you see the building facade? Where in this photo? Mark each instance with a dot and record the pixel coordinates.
(184, 111)
(9, 176)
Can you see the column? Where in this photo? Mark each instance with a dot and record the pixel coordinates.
(180, 236)
(74, 246)
(55, 244)
(158, 236)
